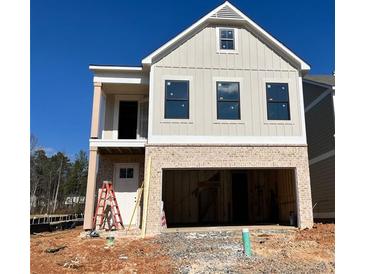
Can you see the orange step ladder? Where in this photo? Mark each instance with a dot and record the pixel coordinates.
(107, 209)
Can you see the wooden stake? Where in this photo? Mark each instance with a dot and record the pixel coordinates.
(135, 207)
(145, 197)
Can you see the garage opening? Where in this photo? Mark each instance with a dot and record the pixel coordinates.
(229, 197)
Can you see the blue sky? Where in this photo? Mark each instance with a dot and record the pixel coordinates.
(68, 35)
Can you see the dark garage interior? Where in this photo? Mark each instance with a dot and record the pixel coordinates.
(229, 197)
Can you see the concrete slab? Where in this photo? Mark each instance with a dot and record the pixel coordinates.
(228, 228)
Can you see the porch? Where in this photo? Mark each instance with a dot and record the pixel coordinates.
(119, 131)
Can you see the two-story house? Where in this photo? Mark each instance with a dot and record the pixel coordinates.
(212, 122)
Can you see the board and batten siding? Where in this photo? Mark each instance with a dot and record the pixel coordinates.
(254, 64)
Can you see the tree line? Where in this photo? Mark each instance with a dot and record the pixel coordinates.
(57, 184)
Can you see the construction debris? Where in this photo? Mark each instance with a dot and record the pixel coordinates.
(93, 234)
(54, 249)
(74, 263)
(273, 251)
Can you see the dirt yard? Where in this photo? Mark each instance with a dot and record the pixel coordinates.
(284, 251)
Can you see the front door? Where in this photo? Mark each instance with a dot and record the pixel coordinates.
(126, 178)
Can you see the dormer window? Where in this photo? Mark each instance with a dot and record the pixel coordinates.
(226, 39)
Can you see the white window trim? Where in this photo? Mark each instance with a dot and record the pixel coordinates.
(291, 102)
(214, 102)
(191, 99)
(235, 34)
(118, 166)
(126, 97)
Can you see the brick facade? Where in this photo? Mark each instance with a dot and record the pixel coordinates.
(228, 157)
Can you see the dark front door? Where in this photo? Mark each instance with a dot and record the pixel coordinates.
(127, 127)
(239, 198)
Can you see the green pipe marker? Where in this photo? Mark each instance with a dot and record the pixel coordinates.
(246, 242)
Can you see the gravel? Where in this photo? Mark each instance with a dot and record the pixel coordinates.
(222, 252)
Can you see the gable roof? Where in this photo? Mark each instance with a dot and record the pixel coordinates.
(228, 13)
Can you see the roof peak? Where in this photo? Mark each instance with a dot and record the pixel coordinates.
(232, 14)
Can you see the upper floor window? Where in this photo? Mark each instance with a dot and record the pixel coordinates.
(277, 96)
(176, 99)
(228, 101)
(226, 39)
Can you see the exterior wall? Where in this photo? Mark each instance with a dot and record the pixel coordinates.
(228, 157)
(111, 113)
(320, 123)
(109, 116)
(254, 64)
(311, 93)
(320, 127)
(323, 188)
(106, 171)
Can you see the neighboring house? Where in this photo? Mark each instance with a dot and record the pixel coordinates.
(212, 123)
(319, 95)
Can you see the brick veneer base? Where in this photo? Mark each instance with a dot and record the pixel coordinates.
(228, 157)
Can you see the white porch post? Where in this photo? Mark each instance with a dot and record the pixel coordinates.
(96, 117)
(91, 187)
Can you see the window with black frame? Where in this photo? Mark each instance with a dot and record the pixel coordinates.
(176, 99)
(226, 37)
(228, 101)
(277, 96)
(126, 173)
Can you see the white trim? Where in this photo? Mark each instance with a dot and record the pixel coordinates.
(102, 115)
(148, 60)
(126, 97)
(151, 100)
(218, 40)
(121, 79)
(324, 215)
(215, 103)
(291, 102)
(333, 102)
(318, 99)
(135, 166)
(117, 143)
(301, 102)
(322, 157)
(239, 140)
(113, 68)
(188, 78)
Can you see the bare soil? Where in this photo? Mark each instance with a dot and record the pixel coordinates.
(286, 251)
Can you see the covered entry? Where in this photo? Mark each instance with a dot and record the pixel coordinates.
(195, 197)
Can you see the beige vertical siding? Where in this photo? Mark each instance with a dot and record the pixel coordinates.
(109, 114)
(254, 64)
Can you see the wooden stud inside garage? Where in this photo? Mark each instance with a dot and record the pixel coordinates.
(228, 197)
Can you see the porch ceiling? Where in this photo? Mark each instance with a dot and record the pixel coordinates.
(121, 150)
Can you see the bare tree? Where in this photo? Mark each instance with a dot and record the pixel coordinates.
(33, 143)
(58, 186)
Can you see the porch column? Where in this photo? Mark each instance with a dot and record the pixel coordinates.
(95, 120)
(90, 189)
(304, 196)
